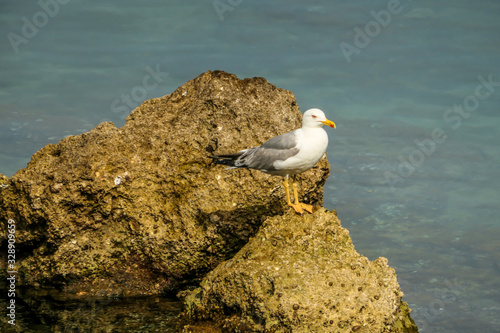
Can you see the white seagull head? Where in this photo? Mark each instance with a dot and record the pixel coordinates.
(316, 118)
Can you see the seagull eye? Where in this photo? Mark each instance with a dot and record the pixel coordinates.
(314, 117)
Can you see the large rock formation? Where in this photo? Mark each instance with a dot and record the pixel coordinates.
(140, 209)
(299, 274)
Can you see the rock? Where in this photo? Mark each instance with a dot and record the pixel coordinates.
(140, 209)
(298, 274)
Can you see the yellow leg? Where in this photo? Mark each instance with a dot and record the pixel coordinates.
(287, 190)
(295, 193)
(297, 207)
(307, 207)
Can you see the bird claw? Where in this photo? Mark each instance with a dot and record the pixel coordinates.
(308, 208)
(300, 207)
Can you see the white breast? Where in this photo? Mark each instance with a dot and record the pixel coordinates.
(312, 144)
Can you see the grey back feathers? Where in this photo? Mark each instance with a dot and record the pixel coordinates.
(283, 141)
(262, 158)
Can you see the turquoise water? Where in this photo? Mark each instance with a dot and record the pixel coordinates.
(415, 156)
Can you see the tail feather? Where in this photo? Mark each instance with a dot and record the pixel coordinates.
(227, 159)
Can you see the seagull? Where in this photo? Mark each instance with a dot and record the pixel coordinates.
(287, 154)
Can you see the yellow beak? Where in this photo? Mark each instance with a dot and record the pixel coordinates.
(329, 123)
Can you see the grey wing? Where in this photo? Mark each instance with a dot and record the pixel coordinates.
(283, 141)
(278, 148)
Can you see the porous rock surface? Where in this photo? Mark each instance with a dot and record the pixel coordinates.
(298, 274)
(140, 209)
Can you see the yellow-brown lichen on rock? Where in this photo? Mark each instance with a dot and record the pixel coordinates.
(140, 209)
(299, 274)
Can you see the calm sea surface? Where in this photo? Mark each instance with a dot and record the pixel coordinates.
(414, 87)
